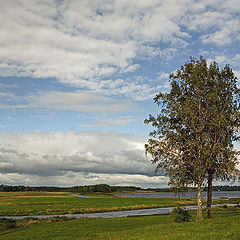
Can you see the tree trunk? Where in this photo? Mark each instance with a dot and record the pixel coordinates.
(209, 194)
(199, 202)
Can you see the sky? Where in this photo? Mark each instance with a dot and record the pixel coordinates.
(77, 80)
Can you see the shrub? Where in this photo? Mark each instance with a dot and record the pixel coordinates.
(7, 224)
(181, 215)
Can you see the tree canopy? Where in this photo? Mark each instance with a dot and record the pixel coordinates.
(194, 132)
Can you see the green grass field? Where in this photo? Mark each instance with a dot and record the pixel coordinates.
(36, 203)
(225, 224)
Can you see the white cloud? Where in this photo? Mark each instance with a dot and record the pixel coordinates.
(80, 101)
(163, 79)
(83, 42)
(91, 156)
(228, 33)
(2, 85)
(222, 59)
(76, 101)
(92, 44)
(237, 73)
(110, 122)
(70, 179)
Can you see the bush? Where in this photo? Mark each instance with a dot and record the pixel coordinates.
(181, 215)
(6, 224)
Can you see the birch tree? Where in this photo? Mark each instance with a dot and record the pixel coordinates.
(193, 134)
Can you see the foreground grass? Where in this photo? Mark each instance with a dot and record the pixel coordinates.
(37, 203)
(225, 224)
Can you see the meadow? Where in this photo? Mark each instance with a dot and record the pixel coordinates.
(37, 203)
(224, 224)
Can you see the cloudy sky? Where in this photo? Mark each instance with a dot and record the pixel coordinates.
(77, 79)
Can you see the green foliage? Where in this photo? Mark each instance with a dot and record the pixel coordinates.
(181, 215)
(194, 132)
(197, 125)
(102, 188)
(6, 224)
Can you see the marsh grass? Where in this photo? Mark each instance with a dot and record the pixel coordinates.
(37, 203)
(224, 225)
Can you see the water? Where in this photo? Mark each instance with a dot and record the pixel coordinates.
(140, 212)
(118, 214)
(216, 195)
(80, 196)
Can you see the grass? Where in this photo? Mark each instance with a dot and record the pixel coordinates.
(37, 203)
(225, 224)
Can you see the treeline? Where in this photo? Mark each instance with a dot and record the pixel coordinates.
(103, 188)
(21, 188)
(193, 189)
(224, 188)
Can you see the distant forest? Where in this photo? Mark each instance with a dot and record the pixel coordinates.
(102, 188)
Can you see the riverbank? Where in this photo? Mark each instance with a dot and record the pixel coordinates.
(225, 224)
(26, 203)
(118, 214)
(41, 203)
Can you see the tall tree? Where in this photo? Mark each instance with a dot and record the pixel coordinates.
(195, 129)
(223, 121)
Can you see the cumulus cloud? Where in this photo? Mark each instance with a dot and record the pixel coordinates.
(70, 179)
(216, 21)
(92, 157)
(83, 43)
(88, 43)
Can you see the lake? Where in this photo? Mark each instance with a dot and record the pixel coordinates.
(216, 195)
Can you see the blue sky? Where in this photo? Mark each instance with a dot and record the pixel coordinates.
(77, 80)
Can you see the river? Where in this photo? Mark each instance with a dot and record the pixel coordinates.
(117, 214)
(139, 212)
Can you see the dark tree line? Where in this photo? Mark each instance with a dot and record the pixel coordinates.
(103, 188)
(21, 188)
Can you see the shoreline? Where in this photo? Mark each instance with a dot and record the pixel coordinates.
(114, 214)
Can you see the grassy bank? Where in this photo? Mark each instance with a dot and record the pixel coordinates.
(225, 224)
(37, 203)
